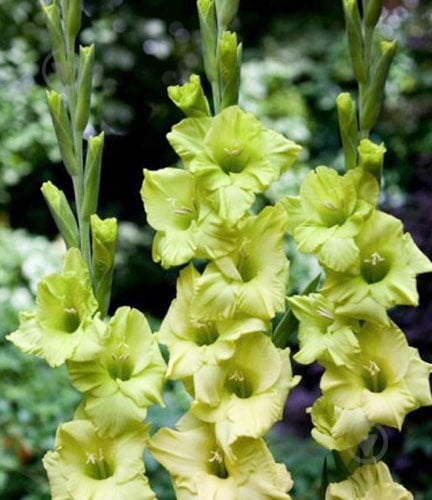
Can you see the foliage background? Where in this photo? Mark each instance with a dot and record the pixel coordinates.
(295, 65)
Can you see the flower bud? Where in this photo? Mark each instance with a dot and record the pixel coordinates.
(85, 77)
(104, 240)
(371, 157)
(63, 130)
(355, 39)
(73, 18)
(62, 214)
(374, 95)
(373, 12)
(229, 68)
(92, 175)
(54, 26)
(226, 11)
(208, 26)
(190, 98)
(348, 128)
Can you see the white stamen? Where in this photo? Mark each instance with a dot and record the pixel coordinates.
(183, 211)
(233, 152)
(237, 376)
(372, 368)
(91, 458)
(330, 205)
(375, 259)
(324, 313)
(215, 456)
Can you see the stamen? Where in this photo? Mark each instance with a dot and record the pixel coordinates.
(183, 211)
(233, 152)
(243, 250)
(324, 313)
(330, 205)
(171, 202)
(215, 456)
(91, 458)
(375, 259)
(237, 376)
(372, 368)
(196, 323)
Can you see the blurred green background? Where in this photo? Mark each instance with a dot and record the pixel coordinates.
(295, 64)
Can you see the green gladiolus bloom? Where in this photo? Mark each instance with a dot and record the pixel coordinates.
(201, 470)
(244, 396)
(369, 482)
(384, 275)
(126, 377)
(234, 156)
(65, 324)
(387, 379)
(338, 428)
(186, 226)
(323, 335)
(86, 466)
(250, 280)
(192, 343)
(329, 213)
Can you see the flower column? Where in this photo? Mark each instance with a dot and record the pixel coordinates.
(217, 328)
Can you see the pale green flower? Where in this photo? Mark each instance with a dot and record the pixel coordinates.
(127, 376)
(234, 156)
(369, 482)
(244, 396)
(85, 466)
(192, 343)
(338, 428)
(65, 324)
(329, 213)
(200, 469)
(387, 379)
(186, 226)
(253, 278)
(322, 333)
(385, 273)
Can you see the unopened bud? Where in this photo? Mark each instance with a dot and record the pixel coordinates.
(190, 98)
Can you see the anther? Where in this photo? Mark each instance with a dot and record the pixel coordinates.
(233, 152)
(237, 376)
(215, 456)
(324, 313)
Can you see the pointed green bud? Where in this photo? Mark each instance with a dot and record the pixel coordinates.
(104, 240)
(373, 12)
(73, 18)
(190, 98)
(85, 78)
(371, 157)
(226, 11)
(92, 175)
(348, 128)
(54, 26)
(62, 214)
(374, 95)
(208, 26)
(63, 130)
(355, 39)
(229, 68)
